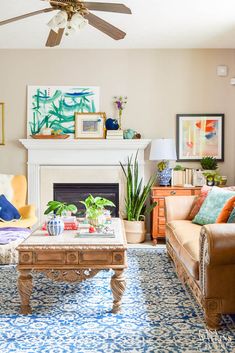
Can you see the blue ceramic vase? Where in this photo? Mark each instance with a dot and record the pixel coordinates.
(164, 177)
(55, 226)
(111, 124)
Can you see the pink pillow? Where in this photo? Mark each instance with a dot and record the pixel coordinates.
(199, 201)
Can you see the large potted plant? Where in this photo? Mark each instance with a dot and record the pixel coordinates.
(136, 202)
(95, 207)
(55, 225)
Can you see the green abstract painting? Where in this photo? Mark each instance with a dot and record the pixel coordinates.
(54, 106)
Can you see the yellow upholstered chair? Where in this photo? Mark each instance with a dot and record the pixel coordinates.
(14, 187)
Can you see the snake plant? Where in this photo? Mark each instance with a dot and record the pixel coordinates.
(136, 193)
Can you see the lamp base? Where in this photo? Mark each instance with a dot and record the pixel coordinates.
(164, 177)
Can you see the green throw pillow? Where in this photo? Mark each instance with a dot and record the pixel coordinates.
(232, 217)
(212, 206)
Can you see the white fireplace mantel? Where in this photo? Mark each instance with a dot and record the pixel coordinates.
(71, 152)
(73, 144)
(83, 152)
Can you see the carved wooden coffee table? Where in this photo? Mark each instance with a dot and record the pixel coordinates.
(70, 258)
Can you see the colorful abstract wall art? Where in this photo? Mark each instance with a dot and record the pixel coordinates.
(54, 107)
(199, 135)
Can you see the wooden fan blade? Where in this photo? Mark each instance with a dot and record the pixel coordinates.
(108, 7)
(54, 38)
(105, 27)
(13, 19)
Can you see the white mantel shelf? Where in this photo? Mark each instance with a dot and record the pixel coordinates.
(72, 144)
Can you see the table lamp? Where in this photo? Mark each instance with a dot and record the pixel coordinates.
(163, 150)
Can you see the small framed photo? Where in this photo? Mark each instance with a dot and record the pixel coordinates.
(90, 125)
(2, 137)
(199, 135)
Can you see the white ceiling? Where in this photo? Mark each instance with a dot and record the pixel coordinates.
(153, 24)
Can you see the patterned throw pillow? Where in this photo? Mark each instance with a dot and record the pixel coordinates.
(232, 217)
(216, 208)
(199, 201)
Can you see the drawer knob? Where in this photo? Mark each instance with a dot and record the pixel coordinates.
(173, 192)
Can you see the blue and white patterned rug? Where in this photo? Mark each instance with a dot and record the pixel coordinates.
(158, 314)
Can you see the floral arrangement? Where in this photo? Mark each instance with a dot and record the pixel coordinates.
(120, 103)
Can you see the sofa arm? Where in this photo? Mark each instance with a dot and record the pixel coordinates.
(217, 243)
(178, 207)
(217, 270)
(27, 211)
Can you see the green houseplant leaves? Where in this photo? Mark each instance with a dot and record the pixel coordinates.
(95, 206)
(59, 208)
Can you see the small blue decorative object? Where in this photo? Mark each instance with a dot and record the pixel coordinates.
(164, 177)
(129, 134)
(111, 124)
(55, 226)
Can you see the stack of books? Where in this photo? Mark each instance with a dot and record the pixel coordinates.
(70, 223)
(189, 176)
(182, 177)
(178, 178)
(114, 134)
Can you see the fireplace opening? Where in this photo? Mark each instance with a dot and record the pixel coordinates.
(73, 193)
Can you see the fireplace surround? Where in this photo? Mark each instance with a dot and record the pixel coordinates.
(77, 161)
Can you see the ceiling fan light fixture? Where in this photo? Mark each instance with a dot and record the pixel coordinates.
(76, 23)
(58, 21)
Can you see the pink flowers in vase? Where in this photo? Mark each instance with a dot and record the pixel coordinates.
(120, 103)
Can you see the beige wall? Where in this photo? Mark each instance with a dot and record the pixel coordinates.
(158, 83)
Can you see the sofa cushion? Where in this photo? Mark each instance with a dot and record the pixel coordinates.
(8, 212)
(216, 208)
(199, 201)
(184, 237)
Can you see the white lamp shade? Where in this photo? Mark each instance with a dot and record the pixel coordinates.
(162, 149)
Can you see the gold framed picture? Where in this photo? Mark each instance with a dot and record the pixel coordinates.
(90, 125)
(2, 135)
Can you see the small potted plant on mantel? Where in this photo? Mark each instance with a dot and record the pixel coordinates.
(135, 202)
(55, 225)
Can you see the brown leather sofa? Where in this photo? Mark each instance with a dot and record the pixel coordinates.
(204, 258)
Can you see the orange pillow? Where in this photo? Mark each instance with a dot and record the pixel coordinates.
(199, 201)
(226, 211)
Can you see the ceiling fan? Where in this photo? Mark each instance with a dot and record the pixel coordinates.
(73, 15)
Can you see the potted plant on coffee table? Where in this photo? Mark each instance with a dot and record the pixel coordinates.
(136, 202)
(55, 225)
(95, 207)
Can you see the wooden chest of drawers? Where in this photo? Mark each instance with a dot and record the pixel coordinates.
(158, 194)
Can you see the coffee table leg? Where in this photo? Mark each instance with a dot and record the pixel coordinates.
(25, 286)
(118, 286)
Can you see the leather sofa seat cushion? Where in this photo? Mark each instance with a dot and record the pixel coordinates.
(185, 240)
